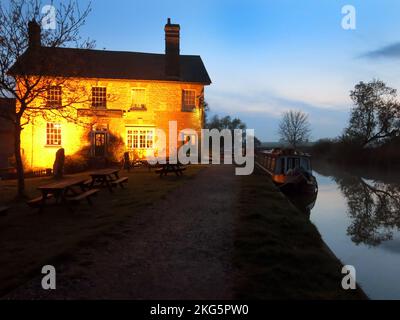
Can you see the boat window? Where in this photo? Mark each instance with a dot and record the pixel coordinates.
(280, 167)
(293, 163)
(297, 163)
(289, 164)
(272, 168)
(305, 164)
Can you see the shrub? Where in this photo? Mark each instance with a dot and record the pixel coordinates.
(75, 164)
(116, 148)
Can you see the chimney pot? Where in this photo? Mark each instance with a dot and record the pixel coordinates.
(172, 50)
(34, 33)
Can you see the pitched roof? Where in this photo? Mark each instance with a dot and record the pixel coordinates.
(87, 63)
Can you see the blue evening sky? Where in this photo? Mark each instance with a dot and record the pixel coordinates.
(265, 57)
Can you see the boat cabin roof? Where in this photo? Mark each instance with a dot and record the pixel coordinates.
(278, 152)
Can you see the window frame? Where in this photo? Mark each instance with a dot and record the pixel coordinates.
(96, 104)
(135, 141)
(192, 136)
(53, 134)
(187, 107)
(133, 107)
(52, 103)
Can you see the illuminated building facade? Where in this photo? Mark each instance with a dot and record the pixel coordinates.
(123, 97)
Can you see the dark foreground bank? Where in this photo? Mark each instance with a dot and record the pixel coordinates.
(211, 235)
(279, 252)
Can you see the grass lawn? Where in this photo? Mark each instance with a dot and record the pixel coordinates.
(279, 252)
(29, 240)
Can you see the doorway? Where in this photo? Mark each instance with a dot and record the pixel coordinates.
(100, 139)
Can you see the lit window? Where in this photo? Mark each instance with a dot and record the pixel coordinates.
(149, 139)
(53, 134)
(99, 97)
(188, 100)
(189, 138)
(54, 98)
(138, 99)
(140, 138)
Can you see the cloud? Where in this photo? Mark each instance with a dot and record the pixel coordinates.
(268, 103)
(231, 102)
(391, 51)
(262, 110)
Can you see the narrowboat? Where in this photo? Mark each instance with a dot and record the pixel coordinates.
(303, 201)
(289, 169)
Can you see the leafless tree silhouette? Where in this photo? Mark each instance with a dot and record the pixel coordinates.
(29, 83)
(294, 128)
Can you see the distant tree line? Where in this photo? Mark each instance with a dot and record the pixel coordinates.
(226, 122)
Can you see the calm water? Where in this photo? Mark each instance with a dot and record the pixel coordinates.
(359, 219)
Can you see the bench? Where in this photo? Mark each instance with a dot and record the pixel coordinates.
(88, 183)
(3, 210)
(37, 201)
(170, 170)
(84, 195)
(120, 182)
(165, 171)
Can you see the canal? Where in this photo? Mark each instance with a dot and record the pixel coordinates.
(358, 217)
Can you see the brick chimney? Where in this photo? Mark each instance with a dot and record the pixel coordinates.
(34, 33)
(172, 61)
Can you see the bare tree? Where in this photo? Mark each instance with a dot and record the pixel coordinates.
(26, 63)
(294, 128)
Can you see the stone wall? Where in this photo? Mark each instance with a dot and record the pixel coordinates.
(163, 104)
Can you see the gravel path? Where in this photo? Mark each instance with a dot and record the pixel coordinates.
(180, 248)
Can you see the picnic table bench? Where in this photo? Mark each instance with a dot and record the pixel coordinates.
(84, 195)
(107, 178)
(168, 167)
(120, 182)
(37, 201)
(64, 192)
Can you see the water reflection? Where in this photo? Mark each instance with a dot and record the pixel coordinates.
(358, 217)
(373, 206)
(374, 209)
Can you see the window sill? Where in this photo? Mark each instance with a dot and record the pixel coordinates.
(53, 146)
(98, 108)
(189, 109)
(133, 109)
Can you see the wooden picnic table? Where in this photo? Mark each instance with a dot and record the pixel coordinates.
(169, 167)
(107, 178)
(63, 191)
